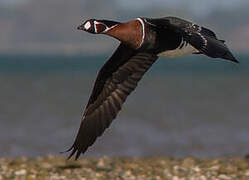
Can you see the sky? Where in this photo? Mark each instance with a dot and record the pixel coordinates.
(198, 7)
(12, 1)
(34, 19)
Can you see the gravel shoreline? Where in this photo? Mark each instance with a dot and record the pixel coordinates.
(106, 168)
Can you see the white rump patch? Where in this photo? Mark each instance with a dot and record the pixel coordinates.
(87, 25)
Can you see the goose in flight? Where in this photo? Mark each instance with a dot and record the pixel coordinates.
(142, 41)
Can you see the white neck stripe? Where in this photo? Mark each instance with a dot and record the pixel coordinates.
(107, 28)
(143, 30)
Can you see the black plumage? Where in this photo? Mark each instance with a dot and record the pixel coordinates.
(199, 37)
(115, 81)
(120, 75)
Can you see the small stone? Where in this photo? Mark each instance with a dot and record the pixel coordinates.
(188, 162)
(225, 177)
(46, 165)
(196, 169)
(4, 167)
(203, 178)
(31, 177)
(176, 168)
(128, 173)
(101, 163)
(57, 177)
(214, 168)
(175, 178)
(247, 173)
(21, 172)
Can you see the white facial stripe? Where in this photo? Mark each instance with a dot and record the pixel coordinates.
(143, 30)
(87, 25)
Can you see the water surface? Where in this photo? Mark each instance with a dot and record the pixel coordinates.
(191, 106)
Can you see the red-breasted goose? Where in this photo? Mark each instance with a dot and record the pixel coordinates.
(142, 41)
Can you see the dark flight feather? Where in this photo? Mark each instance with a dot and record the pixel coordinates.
(115, 81)
(201, 38)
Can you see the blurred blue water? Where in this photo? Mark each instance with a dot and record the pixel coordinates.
(193, 106)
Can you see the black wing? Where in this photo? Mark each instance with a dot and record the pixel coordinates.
(115, 81)
(201, 38)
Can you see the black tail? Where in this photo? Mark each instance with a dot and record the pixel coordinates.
(229, 56)
(218, 49)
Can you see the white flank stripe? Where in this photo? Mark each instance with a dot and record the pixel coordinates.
(178, 52)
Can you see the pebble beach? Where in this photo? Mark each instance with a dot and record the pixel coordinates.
(108, 168)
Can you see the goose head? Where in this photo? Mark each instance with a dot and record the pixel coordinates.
(97, 26)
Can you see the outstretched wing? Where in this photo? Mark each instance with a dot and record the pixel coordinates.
(115, 81)
(201, 38)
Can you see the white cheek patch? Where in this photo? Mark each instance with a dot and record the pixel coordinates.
(87, 25)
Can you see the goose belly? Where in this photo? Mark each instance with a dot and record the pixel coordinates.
(183, 50)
